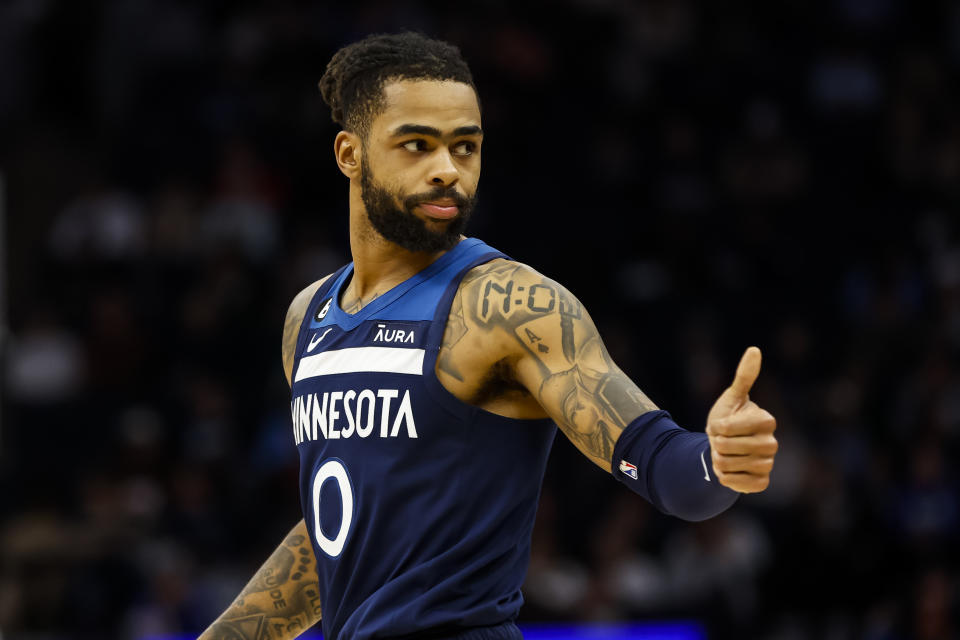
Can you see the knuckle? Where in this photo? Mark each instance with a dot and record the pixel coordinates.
(767, 420)
(721, 444)
(771, 423)
(764, 446)
(719, 426)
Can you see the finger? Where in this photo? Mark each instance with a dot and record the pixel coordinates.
(741, 464)
(747, 372)
(753, 421)
(757, 445)
(744, 482)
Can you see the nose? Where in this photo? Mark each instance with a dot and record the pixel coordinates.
(443, 172)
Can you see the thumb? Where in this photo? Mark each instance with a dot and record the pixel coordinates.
(747, 372)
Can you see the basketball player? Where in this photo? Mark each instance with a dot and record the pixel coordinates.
(427, 377)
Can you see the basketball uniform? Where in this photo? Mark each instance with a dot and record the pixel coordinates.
(420, 507)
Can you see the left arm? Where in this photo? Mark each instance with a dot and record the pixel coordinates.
(549, 343)
(553, 349)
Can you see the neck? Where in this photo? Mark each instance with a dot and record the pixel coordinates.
(378, 264)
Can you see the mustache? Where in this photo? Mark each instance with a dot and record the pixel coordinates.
(437, 193)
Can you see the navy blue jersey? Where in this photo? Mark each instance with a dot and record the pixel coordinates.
(420, 507)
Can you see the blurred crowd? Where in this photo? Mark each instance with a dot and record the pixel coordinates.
(703, 176)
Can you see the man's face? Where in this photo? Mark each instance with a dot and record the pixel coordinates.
(421, 163)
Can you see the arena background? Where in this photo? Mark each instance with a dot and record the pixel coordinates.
(702, 175)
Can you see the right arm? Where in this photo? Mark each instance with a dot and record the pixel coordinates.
(282, 600)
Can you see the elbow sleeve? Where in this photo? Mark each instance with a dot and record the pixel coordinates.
(670, 467)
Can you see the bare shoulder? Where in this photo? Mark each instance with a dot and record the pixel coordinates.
(509, 283)
(291, 325)
(503, 290)
(499, 269)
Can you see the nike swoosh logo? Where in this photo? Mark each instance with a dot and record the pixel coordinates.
(706, 474)
(315, 341)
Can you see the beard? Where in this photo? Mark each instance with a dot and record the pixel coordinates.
(402, 227)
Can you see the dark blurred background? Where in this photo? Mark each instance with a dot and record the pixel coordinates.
(702, 175)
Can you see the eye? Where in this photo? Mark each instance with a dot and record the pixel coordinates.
(415, 145)
(464, 148)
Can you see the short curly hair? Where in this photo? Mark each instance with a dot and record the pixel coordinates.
(352, 85)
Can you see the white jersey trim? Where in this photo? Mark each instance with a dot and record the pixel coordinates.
(361, 360)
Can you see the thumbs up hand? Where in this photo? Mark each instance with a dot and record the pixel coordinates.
(742, 445)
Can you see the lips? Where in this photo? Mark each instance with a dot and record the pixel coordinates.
(442, 209)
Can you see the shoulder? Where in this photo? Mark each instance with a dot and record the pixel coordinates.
(501, 273)
(504, 288)
(298, 306)
(497, 268)
(291, 324)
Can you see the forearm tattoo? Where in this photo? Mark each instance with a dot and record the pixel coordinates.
(281, 601)
(578, 384)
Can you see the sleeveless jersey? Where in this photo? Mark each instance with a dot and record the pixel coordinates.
(420, 507)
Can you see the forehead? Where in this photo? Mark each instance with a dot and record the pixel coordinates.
(442, 104)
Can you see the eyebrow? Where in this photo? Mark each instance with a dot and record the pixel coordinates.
(424, 130)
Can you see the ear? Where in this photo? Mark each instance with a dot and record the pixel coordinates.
(346, 148)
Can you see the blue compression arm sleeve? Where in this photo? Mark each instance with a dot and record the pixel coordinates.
(670, 467)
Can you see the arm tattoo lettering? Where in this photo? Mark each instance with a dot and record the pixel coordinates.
(488, 306)
(273, 575)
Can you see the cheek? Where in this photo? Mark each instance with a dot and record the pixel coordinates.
(401, 182)
(470, 186)
(470, 174)
(392, 184)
